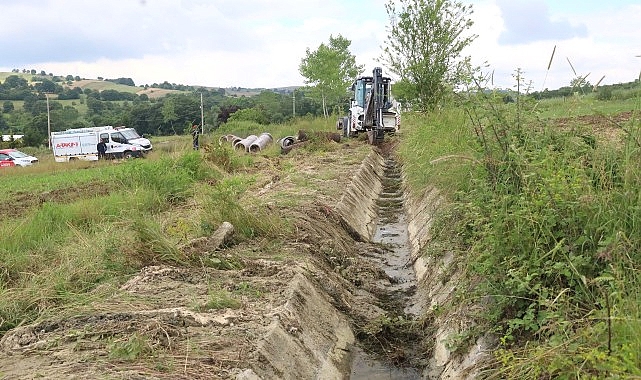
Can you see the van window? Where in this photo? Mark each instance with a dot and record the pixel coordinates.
(104, 136)
(118, 137)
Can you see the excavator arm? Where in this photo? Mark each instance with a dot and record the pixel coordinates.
(373, 113)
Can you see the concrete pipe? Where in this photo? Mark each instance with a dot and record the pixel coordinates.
(287, 141)
(261, 142)
(245, 143)
(226, 138)
(235, 140)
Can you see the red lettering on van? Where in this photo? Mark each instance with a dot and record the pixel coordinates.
(67, 144)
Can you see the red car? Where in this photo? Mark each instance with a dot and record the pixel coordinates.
(6, 161)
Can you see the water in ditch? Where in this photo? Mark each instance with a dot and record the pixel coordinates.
(395, 260)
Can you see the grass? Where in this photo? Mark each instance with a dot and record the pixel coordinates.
(220, 299)
(71, 239)
(98, 85)
(130, 348)
(437, 150)
(545, 221)
(49, 177)
(53, 255)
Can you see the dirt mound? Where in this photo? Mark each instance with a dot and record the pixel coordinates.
(605, 127)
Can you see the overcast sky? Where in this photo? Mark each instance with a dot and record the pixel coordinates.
(260, 43)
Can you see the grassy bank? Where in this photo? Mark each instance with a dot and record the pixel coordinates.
(75, 231)
(546, 217)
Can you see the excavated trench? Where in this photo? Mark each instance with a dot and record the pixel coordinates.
(415, 342)
(396, 292)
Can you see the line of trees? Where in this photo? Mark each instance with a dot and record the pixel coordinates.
(171, 114)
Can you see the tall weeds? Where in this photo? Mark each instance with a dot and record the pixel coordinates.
(553, 221)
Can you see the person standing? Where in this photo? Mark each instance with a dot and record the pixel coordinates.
(102, 149)
(194, 135)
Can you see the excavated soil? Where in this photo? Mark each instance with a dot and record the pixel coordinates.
(299, 305)
(23, 202)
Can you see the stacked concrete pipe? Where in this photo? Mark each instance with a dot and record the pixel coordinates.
(245, 143)
(261, 142)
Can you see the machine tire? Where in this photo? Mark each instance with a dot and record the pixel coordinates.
(345, 126)
(127, 155)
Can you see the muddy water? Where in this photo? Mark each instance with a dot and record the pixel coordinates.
(395, 259)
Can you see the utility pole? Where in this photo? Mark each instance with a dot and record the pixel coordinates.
(294, 103)
(202, 115)
(48, 121)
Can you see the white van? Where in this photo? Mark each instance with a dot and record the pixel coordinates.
(82, 143)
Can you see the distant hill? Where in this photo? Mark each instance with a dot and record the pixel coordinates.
(151, 92)
(101, 85)
(92, 84)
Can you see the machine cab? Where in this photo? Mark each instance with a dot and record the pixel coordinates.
(363, 85)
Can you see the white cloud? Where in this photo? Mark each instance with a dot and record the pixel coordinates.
(260, 43)
(606, 49)
(530, 21)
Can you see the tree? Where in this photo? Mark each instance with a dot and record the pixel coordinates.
(224, 113)
(3, 123)
(48, 86)
(15, 82)
(94, 106)
(7, 106)
(330, 69)
(580, 84)
(250, 114)
(168, 111)
(35, 134)
(65, 116)
(425, 40)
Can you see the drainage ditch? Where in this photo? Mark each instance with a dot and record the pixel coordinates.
(391, 354)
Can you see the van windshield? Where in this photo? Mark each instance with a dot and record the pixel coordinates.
(130, 134)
